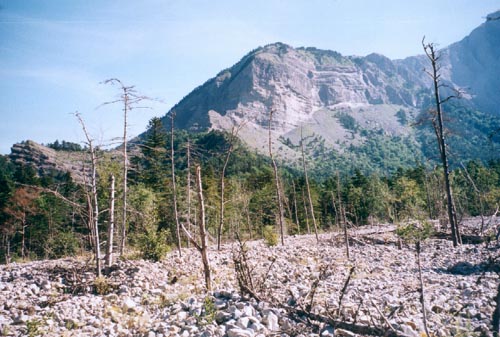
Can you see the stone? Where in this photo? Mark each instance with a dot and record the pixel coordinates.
(34, 289)
(344, 333)
(272, 322)
(237, 332)
(257, 327)
(243, 322)
(21, 319)
(46, 285)
(128, 304)
(182, 315)
(222, 316)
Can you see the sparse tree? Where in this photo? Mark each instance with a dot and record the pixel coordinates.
(304, 166)
(202, 246)
(111, 226)
(130, 100)
(92, 198)
(231, 140)
(433, 56)
(174, 184)
(342, 218)
(277, 182)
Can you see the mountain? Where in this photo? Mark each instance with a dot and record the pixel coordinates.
(352, 112)
(347, 107)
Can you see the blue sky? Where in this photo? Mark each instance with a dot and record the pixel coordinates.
(54, 54)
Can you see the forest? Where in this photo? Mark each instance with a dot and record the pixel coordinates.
(47, 216)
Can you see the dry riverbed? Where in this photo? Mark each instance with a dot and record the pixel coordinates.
(57, 298)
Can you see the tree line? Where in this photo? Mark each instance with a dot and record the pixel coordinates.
(47, 216)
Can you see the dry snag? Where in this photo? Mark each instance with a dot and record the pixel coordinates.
(433, 57)
(202, 247)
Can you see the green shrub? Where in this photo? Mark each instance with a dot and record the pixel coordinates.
(102, 286)
(208, 312)
(415, 231)
(270, 236)
(63, 244)
(34, 327)
(153, 245)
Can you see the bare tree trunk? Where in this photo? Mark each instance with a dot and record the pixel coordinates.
(202, 247)
(93, 203)
(203, 232)
(311, 207)
(479, 196)
(277, 181)
(452, 215)
(343, 219)
(232, 138)
(7, 253)
(334, 204)
(306, 211)
(125, 172)
(111, 227)
(188, 188)
(174, 185)
(130, 98)
(222, 201)
(23, 238)
(295, 207)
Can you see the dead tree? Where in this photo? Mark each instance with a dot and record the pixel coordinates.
(306, 212)
(232, 140)
(480, 196)
(311, 207)
(202, 246)
(92, 201)
(343, 218)
(277, 182)
(129, 98)
(295, 207)
(174, 184)
(188, 186)
(111, 226)
(434, 58)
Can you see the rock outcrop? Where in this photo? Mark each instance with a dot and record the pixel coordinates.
(313, 89)
(47, 161)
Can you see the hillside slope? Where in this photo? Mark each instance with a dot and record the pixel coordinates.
(343, 104)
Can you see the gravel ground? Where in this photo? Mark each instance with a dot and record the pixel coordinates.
(377, 287)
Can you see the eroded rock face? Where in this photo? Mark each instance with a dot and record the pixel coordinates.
(303, 85)
(296, 83)
(31, 153)
(299, 81)
(47, 161)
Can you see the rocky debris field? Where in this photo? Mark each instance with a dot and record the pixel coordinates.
(305, 288)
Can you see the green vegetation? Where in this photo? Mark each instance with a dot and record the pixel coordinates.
(35, 223)
(102, 286)
(65, 146)
(270, 236)
(153, 245)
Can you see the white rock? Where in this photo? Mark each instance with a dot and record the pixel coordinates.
(243, 322)
(237, 332)
(272, 322)
(128, 304)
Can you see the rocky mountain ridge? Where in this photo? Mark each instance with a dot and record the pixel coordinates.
(47, 161)
(350, 111)
(313, 90)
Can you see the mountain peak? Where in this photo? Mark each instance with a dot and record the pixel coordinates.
(493, 16)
